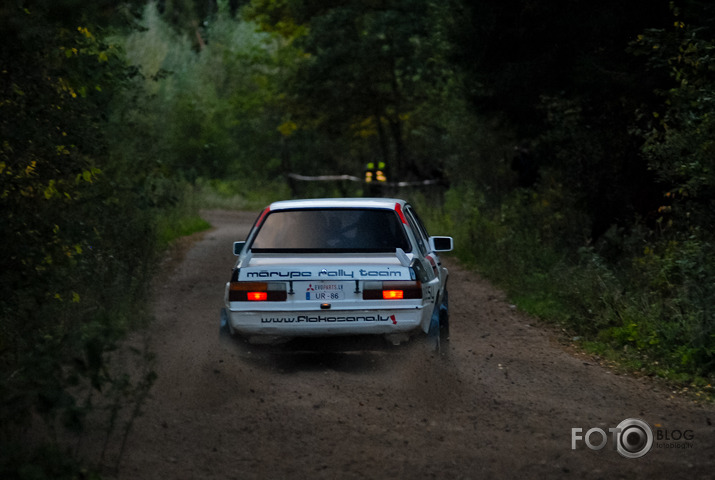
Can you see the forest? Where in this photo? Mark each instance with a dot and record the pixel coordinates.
(567, 146)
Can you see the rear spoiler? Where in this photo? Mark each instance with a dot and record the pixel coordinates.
(238, 248)
(402, 257)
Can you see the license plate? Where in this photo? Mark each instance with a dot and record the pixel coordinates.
(324, 291)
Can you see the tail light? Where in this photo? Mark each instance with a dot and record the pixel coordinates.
(256, 296)
(257, 292)
(391, 290)
(393, 294)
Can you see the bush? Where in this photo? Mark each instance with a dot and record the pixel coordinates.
(649, 303)
(80, 193)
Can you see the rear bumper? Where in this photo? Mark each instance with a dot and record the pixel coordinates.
(325, 322)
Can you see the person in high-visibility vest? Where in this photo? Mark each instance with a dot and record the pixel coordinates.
(368, 172)
(380, 173)
(377, 174)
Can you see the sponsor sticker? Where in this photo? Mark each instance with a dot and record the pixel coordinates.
(331, 319)
(324, 274)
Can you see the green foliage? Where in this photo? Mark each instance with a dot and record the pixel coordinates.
(80, 193)
(612, 238)
(180, 220)
(217, 105)
(278, 16)
(679, 141)
(651, 304)
(369, 85)
(239, 194)
(518, 243)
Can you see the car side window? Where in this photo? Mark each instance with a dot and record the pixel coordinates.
(421, 225)
(418, 229)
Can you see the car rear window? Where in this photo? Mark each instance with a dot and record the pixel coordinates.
(331, 231)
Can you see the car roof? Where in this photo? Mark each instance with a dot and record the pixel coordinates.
(386, 203)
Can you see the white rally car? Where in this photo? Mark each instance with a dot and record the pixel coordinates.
(329, 267)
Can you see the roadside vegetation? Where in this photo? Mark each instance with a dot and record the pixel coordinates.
(569, 149)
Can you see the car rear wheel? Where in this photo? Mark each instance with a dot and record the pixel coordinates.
(438, 335)
(225, 328)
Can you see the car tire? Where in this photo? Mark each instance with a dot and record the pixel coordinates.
(224, 330)
(444, 318)
(438, 335)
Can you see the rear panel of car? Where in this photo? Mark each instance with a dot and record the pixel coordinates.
(382, 296)
(330, 271)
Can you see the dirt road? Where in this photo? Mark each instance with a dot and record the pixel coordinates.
(502, 404)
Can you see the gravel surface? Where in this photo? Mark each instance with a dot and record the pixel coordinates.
(500, 404)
